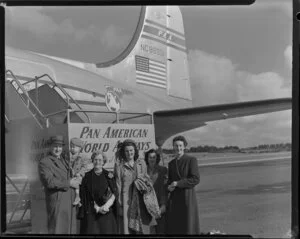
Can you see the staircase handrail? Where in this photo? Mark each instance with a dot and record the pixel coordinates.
(56, 113)
(29, 100)
(64, 92)
(20, 86)
(117, 114)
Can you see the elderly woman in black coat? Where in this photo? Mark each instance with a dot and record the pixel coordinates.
(98, 193)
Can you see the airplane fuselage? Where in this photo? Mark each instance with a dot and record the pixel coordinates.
(88, 88)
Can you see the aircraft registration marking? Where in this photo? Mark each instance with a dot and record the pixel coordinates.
(152, 50)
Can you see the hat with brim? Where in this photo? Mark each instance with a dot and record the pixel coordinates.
(57, 140)
(77, 142)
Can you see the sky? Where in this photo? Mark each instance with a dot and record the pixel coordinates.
(235, 53)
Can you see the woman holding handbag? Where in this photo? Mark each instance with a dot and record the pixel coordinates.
(98, 193)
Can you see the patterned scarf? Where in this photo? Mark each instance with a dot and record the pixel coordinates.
(142, 185)
(135, 221)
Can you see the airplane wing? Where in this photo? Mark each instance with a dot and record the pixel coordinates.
(170, 122)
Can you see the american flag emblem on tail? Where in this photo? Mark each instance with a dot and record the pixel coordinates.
(151, 72)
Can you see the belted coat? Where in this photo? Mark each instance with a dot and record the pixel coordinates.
(125, 180)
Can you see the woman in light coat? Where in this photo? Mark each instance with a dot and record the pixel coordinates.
(132, 180)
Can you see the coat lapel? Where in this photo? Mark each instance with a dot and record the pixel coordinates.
(59, 165)
(89, 181)
(183, 170)
(138, 167)
(65, 163)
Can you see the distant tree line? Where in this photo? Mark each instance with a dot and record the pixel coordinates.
(236, 149)
(214, 149)
(269, 148)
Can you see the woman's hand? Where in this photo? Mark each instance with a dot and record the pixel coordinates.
(141, 185)
(162, 209)
(102, 210)
(96, 207)
(105, 208)
(172, 186)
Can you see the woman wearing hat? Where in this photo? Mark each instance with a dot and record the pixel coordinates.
(182, 210)
(133, 183)
(55, 176)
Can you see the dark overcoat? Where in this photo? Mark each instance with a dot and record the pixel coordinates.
(86, 211)
(161, 193)
(55, 177)
(160, 184)
(182, 208)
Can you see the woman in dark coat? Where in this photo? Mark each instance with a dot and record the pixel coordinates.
(158, 175)
(182, 210)
(98, 193)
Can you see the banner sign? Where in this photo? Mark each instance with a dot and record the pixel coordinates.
(105, 137)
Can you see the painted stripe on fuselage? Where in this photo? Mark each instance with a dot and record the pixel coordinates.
(157, 32)
(164, 40)
(164, 43)
(164, 27)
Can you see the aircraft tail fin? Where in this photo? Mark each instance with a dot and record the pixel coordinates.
(156, 57)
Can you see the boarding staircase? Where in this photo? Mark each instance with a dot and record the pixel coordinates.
(43, 105)
(46, 102)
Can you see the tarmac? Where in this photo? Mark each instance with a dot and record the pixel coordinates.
(250, 195)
